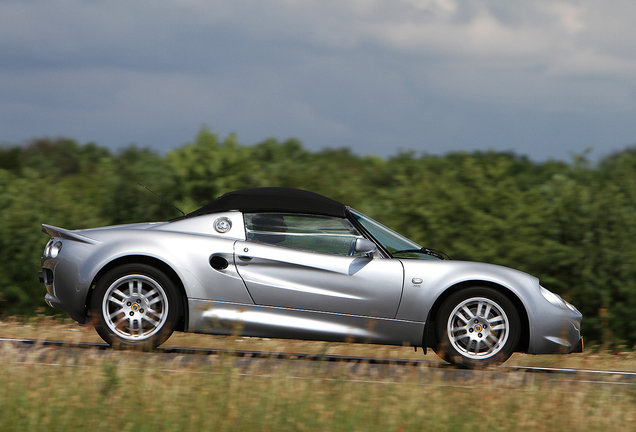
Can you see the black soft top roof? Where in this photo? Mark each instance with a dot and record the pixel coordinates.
(273, 199)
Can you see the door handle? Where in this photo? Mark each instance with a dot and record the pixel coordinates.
(244, 258)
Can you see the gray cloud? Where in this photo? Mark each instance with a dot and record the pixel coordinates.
(544, 78)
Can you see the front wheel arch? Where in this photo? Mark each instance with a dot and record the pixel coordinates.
(429, 339)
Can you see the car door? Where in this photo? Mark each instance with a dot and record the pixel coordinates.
(308, 262)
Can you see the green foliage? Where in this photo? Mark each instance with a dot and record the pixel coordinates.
(571, 225)
(206, 169)
(125, 201)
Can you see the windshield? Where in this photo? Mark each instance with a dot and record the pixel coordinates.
(397, 245)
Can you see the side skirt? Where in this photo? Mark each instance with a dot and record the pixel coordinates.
(265, 321)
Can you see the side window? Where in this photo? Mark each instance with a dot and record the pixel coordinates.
(308, 232)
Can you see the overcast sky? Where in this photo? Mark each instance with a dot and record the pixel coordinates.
(543, 78)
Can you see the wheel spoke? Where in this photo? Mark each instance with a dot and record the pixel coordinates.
(487, 311)
(114, 314)
(115, 301)
(461, 337)
(117, 292)
(477, 346)
(119, 321)
(461, 317)
(154, 312)
(468, 313)
(488, 343)
(478, 311)
(151, 320)
(154, 320)
(131, 326)
(155, 300)
(495, 319)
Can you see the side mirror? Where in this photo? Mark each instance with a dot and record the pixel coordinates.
(365, 246)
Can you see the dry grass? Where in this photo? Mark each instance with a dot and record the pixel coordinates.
(53, 328)
(47, 389)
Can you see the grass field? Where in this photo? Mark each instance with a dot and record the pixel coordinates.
(47, 389)
(52, 328)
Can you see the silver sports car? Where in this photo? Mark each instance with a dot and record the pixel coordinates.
(288, 263)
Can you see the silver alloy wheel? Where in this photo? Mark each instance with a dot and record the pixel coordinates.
(135, 307)
(478, 328)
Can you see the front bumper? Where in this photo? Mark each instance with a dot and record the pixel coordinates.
(558, 332)
(579, 347)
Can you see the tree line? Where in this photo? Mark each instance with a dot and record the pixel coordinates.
(572, 224)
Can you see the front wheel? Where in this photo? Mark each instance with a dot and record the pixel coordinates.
(135, 306)
(477, 327)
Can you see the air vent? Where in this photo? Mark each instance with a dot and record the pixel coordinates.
(218, 262)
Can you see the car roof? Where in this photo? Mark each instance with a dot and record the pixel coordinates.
(273, 199)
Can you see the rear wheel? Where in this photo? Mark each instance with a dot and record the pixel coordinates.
(477, 327)
(135, 305)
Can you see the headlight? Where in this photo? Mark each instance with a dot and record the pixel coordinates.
(553, 298)
(55, 249)
(52, 249)
(571, 307)
(47, 249)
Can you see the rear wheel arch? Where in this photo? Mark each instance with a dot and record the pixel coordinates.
(152, 262)
(430, 333)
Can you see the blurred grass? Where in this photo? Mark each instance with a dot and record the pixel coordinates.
(65, 329)
(47, 389)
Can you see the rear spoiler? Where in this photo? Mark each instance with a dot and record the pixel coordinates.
(67, 234)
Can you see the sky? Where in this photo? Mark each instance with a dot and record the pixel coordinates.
(543, 78)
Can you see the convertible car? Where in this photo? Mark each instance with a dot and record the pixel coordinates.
(288, 263)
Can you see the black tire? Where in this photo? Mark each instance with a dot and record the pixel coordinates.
(477, 327)
(135, 306)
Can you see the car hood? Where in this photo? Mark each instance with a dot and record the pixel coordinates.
(448, 272)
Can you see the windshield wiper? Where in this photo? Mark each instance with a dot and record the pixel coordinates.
(432, 252)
